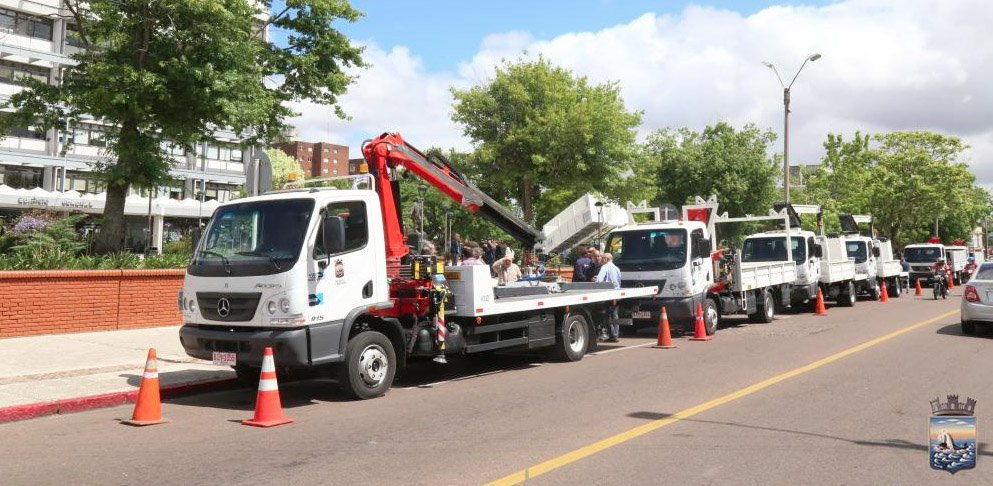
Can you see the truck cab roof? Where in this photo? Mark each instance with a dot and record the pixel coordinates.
(661, 225)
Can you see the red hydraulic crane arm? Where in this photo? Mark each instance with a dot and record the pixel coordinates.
(389, 151)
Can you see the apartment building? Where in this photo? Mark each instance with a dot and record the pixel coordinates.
(320, 159)
(35, 41)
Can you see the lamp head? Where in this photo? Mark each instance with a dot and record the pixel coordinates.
(813, 57)
(767, 64)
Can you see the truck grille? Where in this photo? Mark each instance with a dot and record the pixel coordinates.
(921, 268)
(240, 307)
(630, 284)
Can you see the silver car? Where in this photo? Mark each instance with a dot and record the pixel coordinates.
(977, 301)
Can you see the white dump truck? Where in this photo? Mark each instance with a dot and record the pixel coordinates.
(921, 256)
(677, 257)
(327, 278)
(873, 257)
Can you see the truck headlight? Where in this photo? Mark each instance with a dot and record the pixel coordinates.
(284, 305)
(271, 307)
(192, 305)
(682, 285)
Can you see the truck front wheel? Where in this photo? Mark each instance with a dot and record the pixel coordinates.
(571, 345)
(369, 367)
(711, 317)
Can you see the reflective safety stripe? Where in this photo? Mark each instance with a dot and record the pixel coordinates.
(150, 374)
(268, 385)
(268, 364)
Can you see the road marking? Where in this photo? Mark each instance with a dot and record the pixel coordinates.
(604, 444)
(608, 351)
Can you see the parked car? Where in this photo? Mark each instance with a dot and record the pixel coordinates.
(977, 300)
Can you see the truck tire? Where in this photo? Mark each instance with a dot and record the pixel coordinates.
(846, 298)
(574, 339)
(369, 367)
(765, 308)
(876, 292)
(247, 376)
(711, 316)
(894, 288)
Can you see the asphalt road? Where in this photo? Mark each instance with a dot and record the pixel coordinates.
(703, 413)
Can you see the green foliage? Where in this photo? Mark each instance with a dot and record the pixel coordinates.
(179, 247)
(906, 180)
(731, 164)
(174, 260)
(59, 234)
(172, 70)
(545, 137)
(282, 166)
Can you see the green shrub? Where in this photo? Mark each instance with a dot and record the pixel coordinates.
(178, 247)
(166, 261)
(121, 260)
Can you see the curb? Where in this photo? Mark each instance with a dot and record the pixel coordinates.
(106, 400)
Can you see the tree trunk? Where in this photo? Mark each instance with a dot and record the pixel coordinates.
(527, 201)
(112, 231)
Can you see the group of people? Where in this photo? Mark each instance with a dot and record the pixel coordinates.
(596, 266)
(494, 253)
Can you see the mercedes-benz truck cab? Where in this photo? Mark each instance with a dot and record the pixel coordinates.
(770, 246)
(673, 255)
(261, 276)
(921, 256)
(864, 253)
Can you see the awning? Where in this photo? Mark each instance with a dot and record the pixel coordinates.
(134, 205)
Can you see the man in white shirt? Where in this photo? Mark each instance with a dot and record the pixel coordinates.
(610, 273)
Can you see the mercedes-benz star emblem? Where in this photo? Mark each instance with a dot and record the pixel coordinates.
(223, 307)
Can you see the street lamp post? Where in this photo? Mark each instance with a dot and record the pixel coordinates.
(786, 120)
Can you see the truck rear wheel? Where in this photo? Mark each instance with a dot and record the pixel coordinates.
(572, 343)
(894, 288)
(765, 308)
(847, 296)
(369, 367)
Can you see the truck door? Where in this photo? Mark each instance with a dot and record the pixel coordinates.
(814, 261)
(348, 280)
(700, 265)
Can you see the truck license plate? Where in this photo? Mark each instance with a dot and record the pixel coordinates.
(225, 359)
(641, 315)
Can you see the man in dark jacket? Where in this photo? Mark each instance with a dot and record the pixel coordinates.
(582, 266)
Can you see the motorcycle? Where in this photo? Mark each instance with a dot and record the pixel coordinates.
(940, 287)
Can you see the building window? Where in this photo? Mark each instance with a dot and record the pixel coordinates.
(72, 36)
(310, 149)
(325, 160)
(20, 23)
(236, 154)
(336, 151)
(20, 177)
(27, 132)
(13, 72)
(90, 134)
(83, 182)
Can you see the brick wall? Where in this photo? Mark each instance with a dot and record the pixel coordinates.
(65, 301)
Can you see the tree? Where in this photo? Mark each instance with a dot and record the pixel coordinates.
(545, 137)
(282, 166)
(732, 164)
(170, 71)
(906, 180)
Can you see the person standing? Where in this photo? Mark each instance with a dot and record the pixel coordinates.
(595, 262)
(475, 257)
(488, 255)
(610, 273)
(455, 250)
(581, 268)
(506, 270)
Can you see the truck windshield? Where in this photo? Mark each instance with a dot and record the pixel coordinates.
(648, 250)
(857, 250)
(922, 254)
(773, 249)
(253, 238)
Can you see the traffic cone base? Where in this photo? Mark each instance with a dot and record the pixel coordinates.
(819, 308)
(699, 329)
(268, 409)
(148, 407)
(665, 336)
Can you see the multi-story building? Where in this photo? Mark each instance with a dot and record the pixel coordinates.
(35, 41)
(321, 159)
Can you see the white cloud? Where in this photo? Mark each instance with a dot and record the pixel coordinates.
(887, 65)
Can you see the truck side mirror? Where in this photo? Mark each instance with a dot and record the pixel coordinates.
(818, 251)
(333, 229)
(875, 251)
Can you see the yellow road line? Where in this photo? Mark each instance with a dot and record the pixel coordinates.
(601, 445)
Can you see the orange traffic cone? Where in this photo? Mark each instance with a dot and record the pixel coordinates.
(268, 410)
(665, 337)
(951, 281)
(699, 330)
(885, 295)
(918, 291)
(819, 308)
(148, 410)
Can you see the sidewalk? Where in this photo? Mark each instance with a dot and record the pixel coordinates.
(63, 373)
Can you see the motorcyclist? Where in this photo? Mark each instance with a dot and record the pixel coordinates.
(971, 266)
(941, 266)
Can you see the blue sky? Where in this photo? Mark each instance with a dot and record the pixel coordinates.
(446, 32)
(887, 65)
